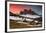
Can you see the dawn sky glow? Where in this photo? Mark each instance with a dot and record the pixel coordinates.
(16, 9)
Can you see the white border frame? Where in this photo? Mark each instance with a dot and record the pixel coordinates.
(9, 30)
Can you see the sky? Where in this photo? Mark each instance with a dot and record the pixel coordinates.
(17, 8)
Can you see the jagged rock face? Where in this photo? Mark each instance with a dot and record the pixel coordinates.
(25, 11)
(11, 14)
(28, 12)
